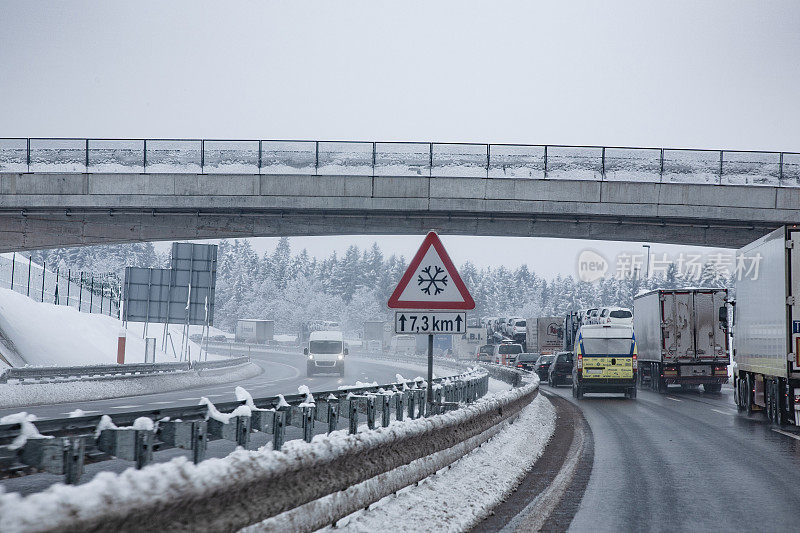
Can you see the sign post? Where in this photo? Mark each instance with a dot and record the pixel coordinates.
(429, 289)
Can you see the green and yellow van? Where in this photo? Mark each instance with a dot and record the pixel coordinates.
(605, 360)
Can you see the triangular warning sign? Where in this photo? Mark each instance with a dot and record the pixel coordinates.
(431, 281)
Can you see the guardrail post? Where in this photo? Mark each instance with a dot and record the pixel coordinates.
(144, 156)
(333, 415)
(260, 151)
(387, 413)
(352, 414)
(87, 156)
(316, 158)
(143, 451)
(370, 412)
(398, 406)
(28, 154)
(73, 460)
(308, 423)
(243, 431)
(278, 429)
(412, 399)
(199, 441)
(202, 155)
(720, 165)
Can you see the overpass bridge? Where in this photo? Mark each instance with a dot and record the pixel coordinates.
(67, 192)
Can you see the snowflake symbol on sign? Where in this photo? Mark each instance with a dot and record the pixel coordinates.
(428, 280)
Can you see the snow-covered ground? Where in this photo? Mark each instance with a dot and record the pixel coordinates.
(458, 497)
(43, 334)
(495, 468)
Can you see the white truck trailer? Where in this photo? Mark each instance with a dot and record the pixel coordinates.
(766, 327)
(681, 335)
(545, 334)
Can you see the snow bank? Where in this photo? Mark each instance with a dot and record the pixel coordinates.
(180, 490)
(43, 334)
(458, 498)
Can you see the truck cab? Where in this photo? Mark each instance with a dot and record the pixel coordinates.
(325, 352)
(605, 360)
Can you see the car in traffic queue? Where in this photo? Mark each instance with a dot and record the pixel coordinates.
(605, 360)
(560, 370)
(616, 315)
(542, 366)
(527, 360)
(518, 330)
(485, 353)
(505, 351)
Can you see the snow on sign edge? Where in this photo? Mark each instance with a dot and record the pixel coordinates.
(431, 241)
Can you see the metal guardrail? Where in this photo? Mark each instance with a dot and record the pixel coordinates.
(53, 372)
(72, 442)
(237, 493)
(308, 157)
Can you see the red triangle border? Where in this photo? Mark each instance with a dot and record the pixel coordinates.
(431, 239)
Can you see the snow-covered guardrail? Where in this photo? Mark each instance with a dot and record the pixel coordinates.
(62, 446)
(300, 486)
(35, 373)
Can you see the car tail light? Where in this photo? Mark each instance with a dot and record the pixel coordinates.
(580, 361)
(635, 362)
(519, 366)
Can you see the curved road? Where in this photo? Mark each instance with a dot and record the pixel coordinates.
(282, 373)
(686, 461)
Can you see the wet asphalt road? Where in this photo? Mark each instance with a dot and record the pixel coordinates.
(686, 461)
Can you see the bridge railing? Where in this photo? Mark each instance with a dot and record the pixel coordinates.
(299, 157)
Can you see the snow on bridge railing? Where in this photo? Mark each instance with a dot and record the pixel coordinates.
(62, 446)
(298, 157)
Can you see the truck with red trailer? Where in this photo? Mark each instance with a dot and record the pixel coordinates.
(682, 338)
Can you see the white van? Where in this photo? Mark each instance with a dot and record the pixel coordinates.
(326, 351)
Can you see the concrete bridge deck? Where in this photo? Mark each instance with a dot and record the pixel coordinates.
(41, 210)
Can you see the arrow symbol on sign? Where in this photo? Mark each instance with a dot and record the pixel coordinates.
(458, 323)
(402, 321)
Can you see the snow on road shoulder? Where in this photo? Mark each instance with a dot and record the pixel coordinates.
(29, 395)
(458, 498)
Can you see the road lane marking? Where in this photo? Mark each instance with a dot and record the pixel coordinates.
(723, 412)
(159, 403)
(84, 412)
(124, 406)
(796, 437)
(186, 399)
(673, 399)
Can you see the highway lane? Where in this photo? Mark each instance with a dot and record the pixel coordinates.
(686, 461)
(282, 373)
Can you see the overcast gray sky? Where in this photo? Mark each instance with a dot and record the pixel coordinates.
(706, 74)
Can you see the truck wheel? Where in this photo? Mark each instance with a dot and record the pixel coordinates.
(631, 393)
(780, 419)
(574, 391)
(748, 402)
(661, 385)
(739, 395)
(579, 392)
